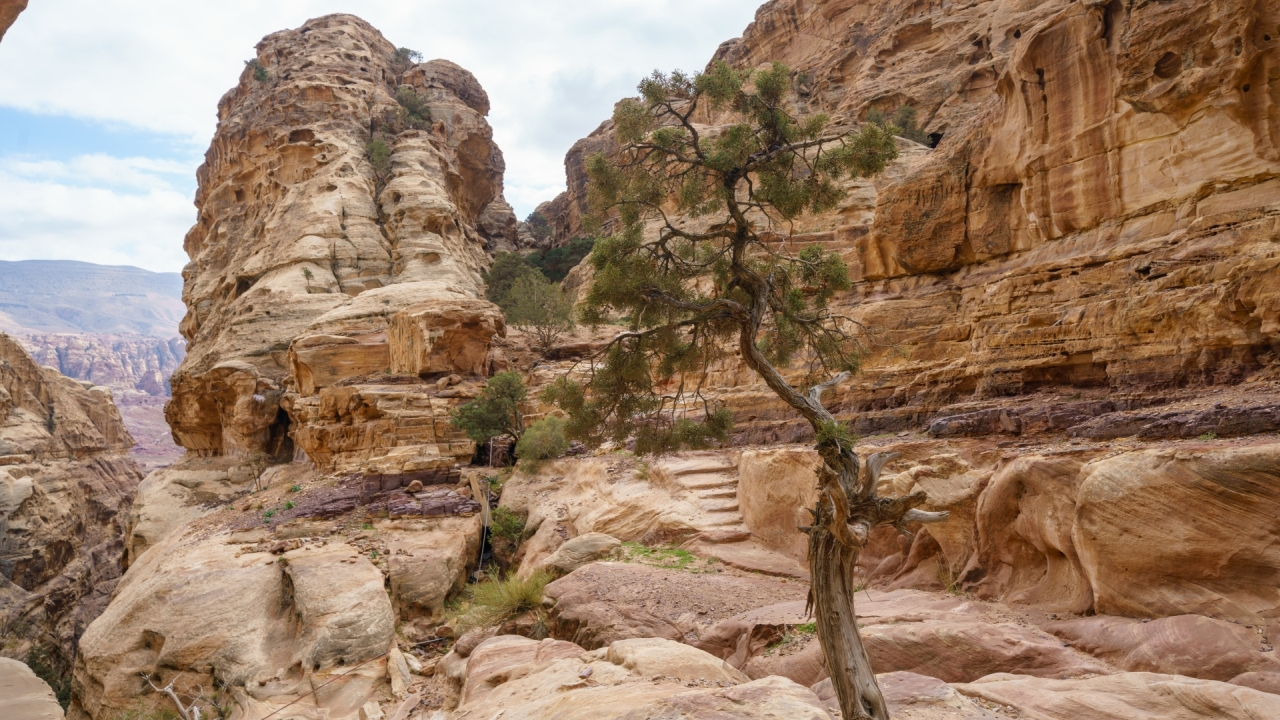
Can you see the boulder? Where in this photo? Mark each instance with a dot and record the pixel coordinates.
(25, 696)
(429, 560)
(579, 551)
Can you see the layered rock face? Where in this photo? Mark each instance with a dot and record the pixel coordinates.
(66, 483)
(121, 362)
(1099, 214)
(321, 289)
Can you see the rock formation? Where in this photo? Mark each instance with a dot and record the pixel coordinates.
(9, 11)
(66, 483)
(1099, 215)
(335, 317)
(327, 295)
(25, 696)
(121, 362)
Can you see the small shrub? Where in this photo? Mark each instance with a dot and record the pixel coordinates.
(557, 262)
(269, 514)
(367, 526)
(810, 628)
(539, 308)
(496, 412)
(506, 525)
(495, 601)
(295, 488)
(902, 124)
(259, 72)
(289, 505)
(47, 663)
(414, 112)
(405, 55)
(544, 440)
(1209, 436)
(379, 157)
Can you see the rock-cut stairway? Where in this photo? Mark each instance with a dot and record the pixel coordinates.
(712, 481)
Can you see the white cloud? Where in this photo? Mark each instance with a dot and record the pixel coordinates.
(553, 69)
(140, 221)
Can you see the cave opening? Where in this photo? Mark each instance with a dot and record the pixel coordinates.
(279, 442)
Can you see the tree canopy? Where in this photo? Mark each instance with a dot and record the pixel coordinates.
(496, 412)
(700, 262)
(695, 261)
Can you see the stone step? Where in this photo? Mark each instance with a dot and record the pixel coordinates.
(701, 481)
(720, 521)
(719, 493)
(699, 466)
(719, 506)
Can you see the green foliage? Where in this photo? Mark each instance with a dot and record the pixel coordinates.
(259, 72)
(902, 124)
(507, 525)
(686, 295)
(557, 262)
(507, 268)
(47, 662)
(1209, 436)
(289, 505)
(494, 601)
(379, 153)
(539, 227)
(809, 628)
(539, 308)
(414, 112)
(408, 57)
(295, 488)
(496, 412)
(833, 432)
(667, 557)
(543, 440)
(306, 273)
(269, 514)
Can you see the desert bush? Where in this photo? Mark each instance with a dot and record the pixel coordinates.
(495, 601)
(543, 440)
(259, 72)
(507, 525)
(48, 663)
(557, 262)
(540, 309)
(379, 153)
(507, 268)
(414, 112)
(496, 412)
(902, 124)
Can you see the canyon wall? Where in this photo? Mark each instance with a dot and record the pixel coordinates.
(1099, 219)
(66, 484)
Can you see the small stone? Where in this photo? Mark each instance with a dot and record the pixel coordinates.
(415, 486)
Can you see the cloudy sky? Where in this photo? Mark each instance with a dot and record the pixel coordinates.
(106, 107)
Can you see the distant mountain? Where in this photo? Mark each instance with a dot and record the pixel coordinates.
(65, 296)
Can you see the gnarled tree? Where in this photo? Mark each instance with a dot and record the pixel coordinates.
(700, 262)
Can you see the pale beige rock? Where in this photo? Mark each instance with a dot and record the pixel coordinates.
(429, 560)
(1164, 532)
(579, 551)
(119, 361)
(195, 606)
(320, 286)
(598, 686)
(774, 489)
(508, 657)
(66, 484)
(1140, 696)
(25, 696)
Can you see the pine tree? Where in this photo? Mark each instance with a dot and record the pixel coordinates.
(700, 262)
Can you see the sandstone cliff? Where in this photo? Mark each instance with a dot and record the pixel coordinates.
(319, 284)
(9, 11)
(66, 483)
(1099, 215)
(121, 362)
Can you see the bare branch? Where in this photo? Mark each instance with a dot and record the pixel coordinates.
(815, 392)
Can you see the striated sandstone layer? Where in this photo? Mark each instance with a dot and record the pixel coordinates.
(122, 362)
(326, 296)
(66, 484)
(1101, 213)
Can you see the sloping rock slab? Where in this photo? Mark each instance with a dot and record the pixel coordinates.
(1132, 696)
